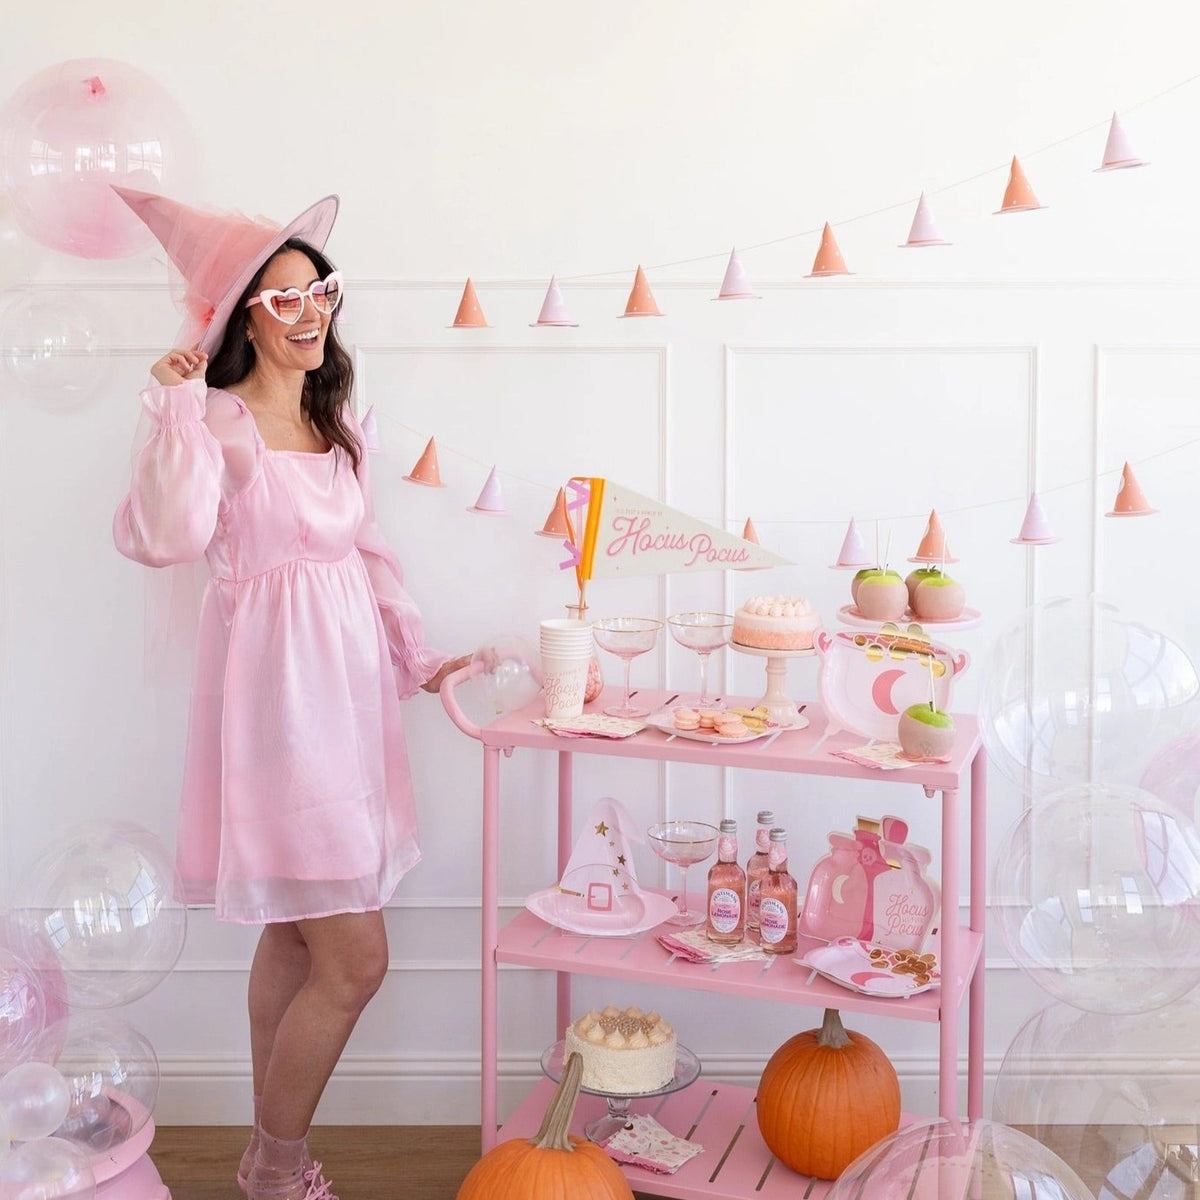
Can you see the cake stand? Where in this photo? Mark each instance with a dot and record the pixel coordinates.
(780, 708)
(687, 1071)
(848, 614)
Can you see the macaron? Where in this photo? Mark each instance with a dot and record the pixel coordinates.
(687, 718)
(732, 727)
(708, 717)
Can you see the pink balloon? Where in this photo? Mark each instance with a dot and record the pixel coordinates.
(74, 128)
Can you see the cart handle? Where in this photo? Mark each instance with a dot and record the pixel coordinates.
(450, 703)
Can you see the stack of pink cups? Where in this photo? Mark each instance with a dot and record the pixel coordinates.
(567, 649)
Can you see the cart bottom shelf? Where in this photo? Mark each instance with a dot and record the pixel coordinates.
(720, 1117)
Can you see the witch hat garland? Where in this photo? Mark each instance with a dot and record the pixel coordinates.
(554, 308)
(1118, 152)
(829, 260)
(425, 469)
(1018, 196)
(1035, 529)
(1130, 501)
(470, 312)
(491, 498)
(933, 548)
(558, 523)
(853, 555)
(641, 302)
(736, 284)
(924, 230)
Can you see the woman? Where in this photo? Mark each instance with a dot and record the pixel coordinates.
(297, 808)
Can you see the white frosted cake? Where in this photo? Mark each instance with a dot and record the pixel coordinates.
(626, 1052)
(775, 623)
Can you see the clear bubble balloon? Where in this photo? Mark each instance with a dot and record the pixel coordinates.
(34, 1100)
(54, 348)
(5, 1139)
(1074, 693)
(110, 902)
(112, 1078)
(509, 678)
(47, 1169)
(1115, 1092)
(19, 253)
(22, 1010)
(30, 944)
(1173, 774)
(73, 129)
(1097, 894)
(935, 1159)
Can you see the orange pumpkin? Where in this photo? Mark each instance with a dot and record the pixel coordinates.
(552, 1165)
(826, 1096)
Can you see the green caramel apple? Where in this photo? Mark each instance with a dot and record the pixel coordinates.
(925, 731)
(882, 597)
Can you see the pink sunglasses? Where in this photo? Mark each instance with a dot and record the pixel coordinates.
(325, 294)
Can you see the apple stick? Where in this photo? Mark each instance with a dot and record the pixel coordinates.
(932, 693)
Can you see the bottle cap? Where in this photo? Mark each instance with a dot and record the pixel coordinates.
(766, 817)
(728, 826)
(778, 835)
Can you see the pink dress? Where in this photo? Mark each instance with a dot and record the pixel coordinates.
(297, 799)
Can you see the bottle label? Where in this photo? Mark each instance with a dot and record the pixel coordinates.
(724, 910)
(727, 848)
(762, 840)
(777, 856)
(753, 896)
(772, 920)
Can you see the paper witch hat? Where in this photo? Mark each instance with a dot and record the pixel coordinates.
(749, 533)
(1035, 529)
(470, 314)
(829, 259)
(736, 284)
(1130, 501)
(1018, 196)
(853, 555)
(491, 498)
(425, 469)
(370, 428)
(1118, 152)
(924, 230)
(558, 524)
(554, 308)
(219, 253)
(641, 301)
(933, 548)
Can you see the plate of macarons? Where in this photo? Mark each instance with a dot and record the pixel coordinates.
(718, 725)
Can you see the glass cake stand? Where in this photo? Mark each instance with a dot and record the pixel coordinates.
(687, 1071)
(780, 708)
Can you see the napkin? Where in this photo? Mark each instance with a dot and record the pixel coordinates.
(643, 1142)
(695, 947)
(883, 756)
(591, 725)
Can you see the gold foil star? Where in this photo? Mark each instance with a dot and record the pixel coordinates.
(621, 859)
(602, 829)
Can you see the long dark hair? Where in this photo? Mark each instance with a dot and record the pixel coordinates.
(326, 390)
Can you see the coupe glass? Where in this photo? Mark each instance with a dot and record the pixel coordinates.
(702, 632)
(626, 637)
(683, 843)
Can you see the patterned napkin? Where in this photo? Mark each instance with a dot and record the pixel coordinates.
(591, 725)
(643, 1142)
(883, 756)
(695, 947)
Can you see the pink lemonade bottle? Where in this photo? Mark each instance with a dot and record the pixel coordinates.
(756, 867)
(726, 920)
(777, 902)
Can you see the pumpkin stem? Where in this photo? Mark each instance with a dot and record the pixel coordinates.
(833, 1032)
(553, 1133)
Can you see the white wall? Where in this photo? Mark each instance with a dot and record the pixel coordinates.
(512, 141)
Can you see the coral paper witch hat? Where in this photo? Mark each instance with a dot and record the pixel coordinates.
(1130, 501)
(853, 555)
(425, 469)
(558, 523)
(1118, 153)
(736, 284)
(641, 301)
(829, 260)
(924, 230)
(1035, 529)
(491, 498)
(554, 308)
(1018, 196)
(470, 314)
(933, 548)
(749, 533)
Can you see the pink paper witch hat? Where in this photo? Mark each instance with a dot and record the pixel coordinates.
(1035, 529)
(558, 523)
(933, 548)
(829, 259)
(470, 314)
(370, 428)
(749, 533)
(853, 555)
(425, 469)
(641, 301)
(924, 230)
(554, 308)
(1018, 196)
(491, 498)
(1130, 501)
(736, 284)
(1118, 152)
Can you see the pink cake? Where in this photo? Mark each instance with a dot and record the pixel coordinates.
(775, 623)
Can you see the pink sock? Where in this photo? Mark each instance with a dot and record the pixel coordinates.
(278, 1171)
(252, 1149)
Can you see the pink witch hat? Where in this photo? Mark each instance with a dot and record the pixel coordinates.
(425, 469)
(924, 230)
(1118, 152)
(554, 308)
(370, 428)
(1018, 196)
(218, 254)
(749, 533)
(829, 260)
(491, 499)
(933, 548)
(1035, 529)
(558, 523)
(736, 284)
(1130, 501)
(641, 302)
(853, 555)
(470, 313)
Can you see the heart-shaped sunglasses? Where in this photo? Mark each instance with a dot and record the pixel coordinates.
(286, 306)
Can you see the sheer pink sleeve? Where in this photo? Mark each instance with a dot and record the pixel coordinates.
(171, 511)
(414, 662)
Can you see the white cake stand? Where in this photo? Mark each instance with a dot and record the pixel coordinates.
(780, 708)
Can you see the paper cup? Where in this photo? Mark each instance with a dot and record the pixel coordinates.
(564, 680)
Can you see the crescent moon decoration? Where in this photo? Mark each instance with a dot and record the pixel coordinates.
(881, 692)
(837, 888)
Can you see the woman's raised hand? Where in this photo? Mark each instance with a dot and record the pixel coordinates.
(177, 365)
